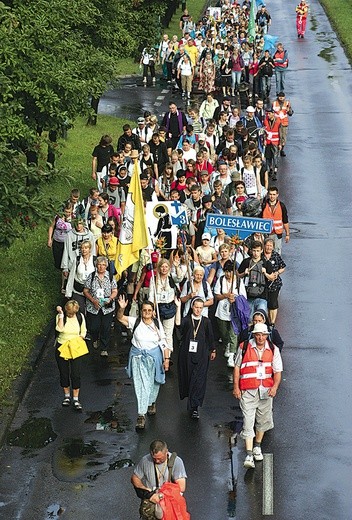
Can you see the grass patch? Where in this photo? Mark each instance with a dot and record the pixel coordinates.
(29, 281)
(340, 16)
(195, 8)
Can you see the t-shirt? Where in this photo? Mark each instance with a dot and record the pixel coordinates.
(146, 472)
(248, 263)
(146, 336)
(103, 154)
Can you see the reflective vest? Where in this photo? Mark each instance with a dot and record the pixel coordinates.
(281, 112)
(250, 364)
(275, 214)
(272, 131)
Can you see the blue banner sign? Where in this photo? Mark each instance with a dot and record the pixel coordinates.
(241, 226)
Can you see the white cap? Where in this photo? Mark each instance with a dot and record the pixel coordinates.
(260, 327)
(250, 109)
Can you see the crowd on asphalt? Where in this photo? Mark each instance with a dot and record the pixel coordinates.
(213, 294)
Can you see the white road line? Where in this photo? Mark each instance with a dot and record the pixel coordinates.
(268, 484)
(157, 104)
(165, 91)
(160, 98)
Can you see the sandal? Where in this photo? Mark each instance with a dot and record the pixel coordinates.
(66, 401)
(77, 406)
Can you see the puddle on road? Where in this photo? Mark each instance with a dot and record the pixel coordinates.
(77, 461)
(328, 54)
(35, 433)
(54, 511)
(110, 419)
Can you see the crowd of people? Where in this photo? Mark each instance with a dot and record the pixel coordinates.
(213, 293)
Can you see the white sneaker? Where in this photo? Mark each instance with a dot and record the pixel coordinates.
(257, 453)
(249, 462)
(227, 351)
(104, 353)
(231, 360)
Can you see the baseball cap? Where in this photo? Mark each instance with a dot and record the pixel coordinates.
(206, 236)
(281, 94)
(141, 120)
(154, 256)
(202, 137)
(260, 327)
(250, 109)
(113, 181)
(269, 109)
(241, 198)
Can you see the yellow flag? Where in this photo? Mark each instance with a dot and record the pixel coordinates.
(133, 233)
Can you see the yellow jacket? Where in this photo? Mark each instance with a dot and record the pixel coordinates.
(73, 348)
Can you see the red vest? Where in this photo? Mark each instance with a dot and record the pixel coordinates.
(281, 112)
(275, 214)
(272, 131)
(248, 370)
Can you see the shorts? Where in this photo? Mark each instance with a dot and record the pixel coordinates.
(257, 413)
(273, 299)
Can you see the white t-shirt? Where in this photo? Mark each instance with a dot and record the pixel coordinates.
(147, 337)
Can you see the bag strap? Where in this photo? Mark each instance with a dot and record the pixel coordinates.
(170, 464)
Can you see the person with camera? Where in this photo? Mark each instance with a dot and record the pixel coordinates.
(100, 291)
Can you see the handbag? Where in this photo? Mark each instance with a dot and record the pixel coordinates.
(167, 310)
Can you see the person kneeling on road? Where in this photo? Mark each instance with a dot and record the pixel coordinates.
(257, 375)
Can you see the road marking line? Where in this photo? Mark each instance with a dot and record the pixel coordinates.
(157, 104)
(268, 484)
(160, 97)
(165, 91)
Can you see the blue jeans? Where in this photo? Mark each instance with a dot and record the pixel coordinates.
(257, 303)
(280, 79)
(236, 79)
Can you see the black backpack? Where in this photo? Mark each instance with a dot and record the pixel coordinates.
(139, 319)
(79, 318)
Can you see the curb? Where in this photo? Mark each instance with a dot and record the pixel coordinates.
(22, 381)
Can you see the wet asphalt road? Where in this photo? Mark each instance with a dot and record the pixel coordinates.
(311, 446)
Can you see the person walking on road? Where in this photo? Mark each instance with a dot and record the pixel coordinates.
(301, 18)
(148, 59)
(149, 357)
(175, 123)
(257, 376)
(71, 329)
(281, 63)
(272, 144)
(283, 110)
(196, 349)
(159, 478)
(277, 212)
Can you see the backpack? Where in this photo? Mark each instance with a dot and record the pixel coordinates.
(205, 287)
(80, 320)
(246, 342)
(139, 319)
(256, 281)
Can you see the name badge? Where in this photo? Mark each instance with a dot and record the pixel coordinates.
(163, 296)
(260, 372)
(100, 293)
(193, 346)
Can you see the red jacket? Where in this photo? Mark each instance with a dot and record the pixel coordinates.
(173, 504)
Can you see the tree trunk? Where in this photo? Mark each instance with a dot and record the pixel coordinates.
(94, 103)
(51, 150)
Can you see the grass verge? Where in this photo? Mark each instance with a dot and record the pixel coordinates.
(29, 283)
(340, 16)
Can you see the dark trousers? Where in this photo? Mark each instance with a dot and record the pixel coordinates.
(70, 371)
(99, 326)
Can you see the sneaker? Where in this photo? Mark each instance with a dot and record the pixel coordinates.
(227, 351)
(231, 360)
(144, 80)
(152, 409)
(95, 345)
(66, 401)
(249, 462)
(195, 414)
(282, 153)
(124, 334)
(257, 453)
(104, 353)
(140, 425)
(153, 80)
